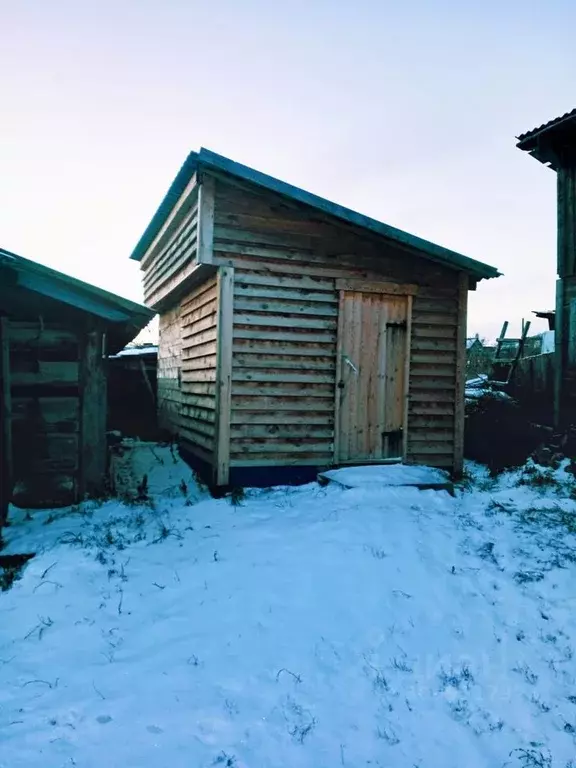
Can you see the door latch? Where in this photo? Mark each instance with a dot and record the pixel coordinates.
(350, 363)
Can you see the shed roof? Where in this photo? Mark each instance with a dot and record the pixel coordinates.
(123, 317)
(210, 161)
(550, 141)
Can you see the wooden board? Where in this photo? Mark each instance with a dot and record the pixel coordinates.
(5, 423)
(197, 359)
(460, 377)
(371, 377)
(224, 372)
(93, 411)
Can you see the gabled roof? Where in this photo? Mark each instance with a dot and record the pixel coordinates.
(551, 141)
(125, 318)
(205, 160)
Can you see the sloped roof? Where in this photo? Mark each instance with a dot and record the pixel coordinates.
(553, 142)
(546, 126)
(210, 161)
(124, 317)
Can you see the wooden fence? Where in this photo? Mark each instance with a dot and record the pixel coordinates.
(533, 386)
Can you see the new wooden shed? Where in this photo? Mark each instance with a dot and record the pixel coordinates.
(296, 334)
(54, 334)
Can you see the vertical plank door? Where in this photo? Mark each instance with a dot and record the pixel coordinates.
(371, 376)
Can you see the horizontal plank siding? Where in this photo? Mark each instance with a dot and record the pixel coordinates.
(45, 387)
(168, 371)
(174, 256)
(289, 264)
(431, 402)
(288, 268)
(198, 330)
(283, 368)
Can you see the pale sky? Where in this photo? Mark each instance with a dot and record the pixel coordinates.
(406, 111)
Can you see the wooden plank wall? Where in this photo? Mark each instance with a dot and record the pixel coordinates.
(44, 360)
(168, 374)
(432, 393)
(93, 415)
(285, 327)
(172, 259)
(198, 328)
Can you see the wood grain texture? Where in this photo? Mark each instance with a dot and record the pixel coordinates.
(173, 254)
(371, 399)
(187, 200)
(197, 409)
(224, 372)
(380, 287)
(287, 267)
(93, 411)
(206, 204)
(460, 377)
(6, 469)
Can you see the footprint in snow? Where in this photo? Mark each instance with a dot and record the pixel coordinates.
(103, 719)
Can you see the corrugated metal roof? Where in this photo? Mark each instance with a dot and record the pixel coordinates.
(546, 126)
(125, 316)
(210, 161)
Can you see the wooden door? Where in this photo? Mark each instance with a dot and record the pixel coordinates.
(371, 377)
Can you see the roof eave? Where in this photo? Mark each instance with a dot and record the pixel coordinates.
(210, 161)
(168, 202)
(479, 270)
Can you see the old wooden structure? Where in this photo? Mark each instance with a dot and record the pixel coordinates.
(554, 145)
(296, 334)
(55, 333)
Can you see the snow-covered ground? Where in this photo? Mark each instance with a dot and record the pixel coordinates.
(310, 627)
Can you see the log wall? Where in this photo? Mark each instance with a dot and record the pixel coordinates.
(45, 388)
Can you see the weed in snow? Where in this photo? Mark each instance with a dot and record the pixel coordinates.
(531, 758)
(528, 675)
(456, 678)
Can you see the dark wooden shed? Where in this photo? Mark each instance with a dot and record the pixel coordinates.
(296, 334)
(55, 332)
(554, 145)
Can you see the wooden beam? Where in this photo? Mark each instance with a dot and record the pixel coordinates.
(5, 423)
(174, 217)
(206, 194)
(460, 383)
(93, 412)
(407, 364)
(224, 373)
(559, 354)
(396, 289)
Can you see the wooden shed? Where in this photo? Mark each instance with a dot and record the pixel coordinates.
(54, 334)
(296, 334)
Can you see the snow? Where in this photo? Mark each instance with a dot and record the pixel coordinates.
(391, 474)
(309, 627)
(548, 342)
(150, 349)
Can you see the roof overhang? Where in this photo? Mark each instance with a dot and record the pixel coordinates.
(122, 317)
(554, 143)
(205, 160)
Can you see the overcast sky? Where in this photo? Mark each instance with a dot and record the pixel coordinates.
(403, 111)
